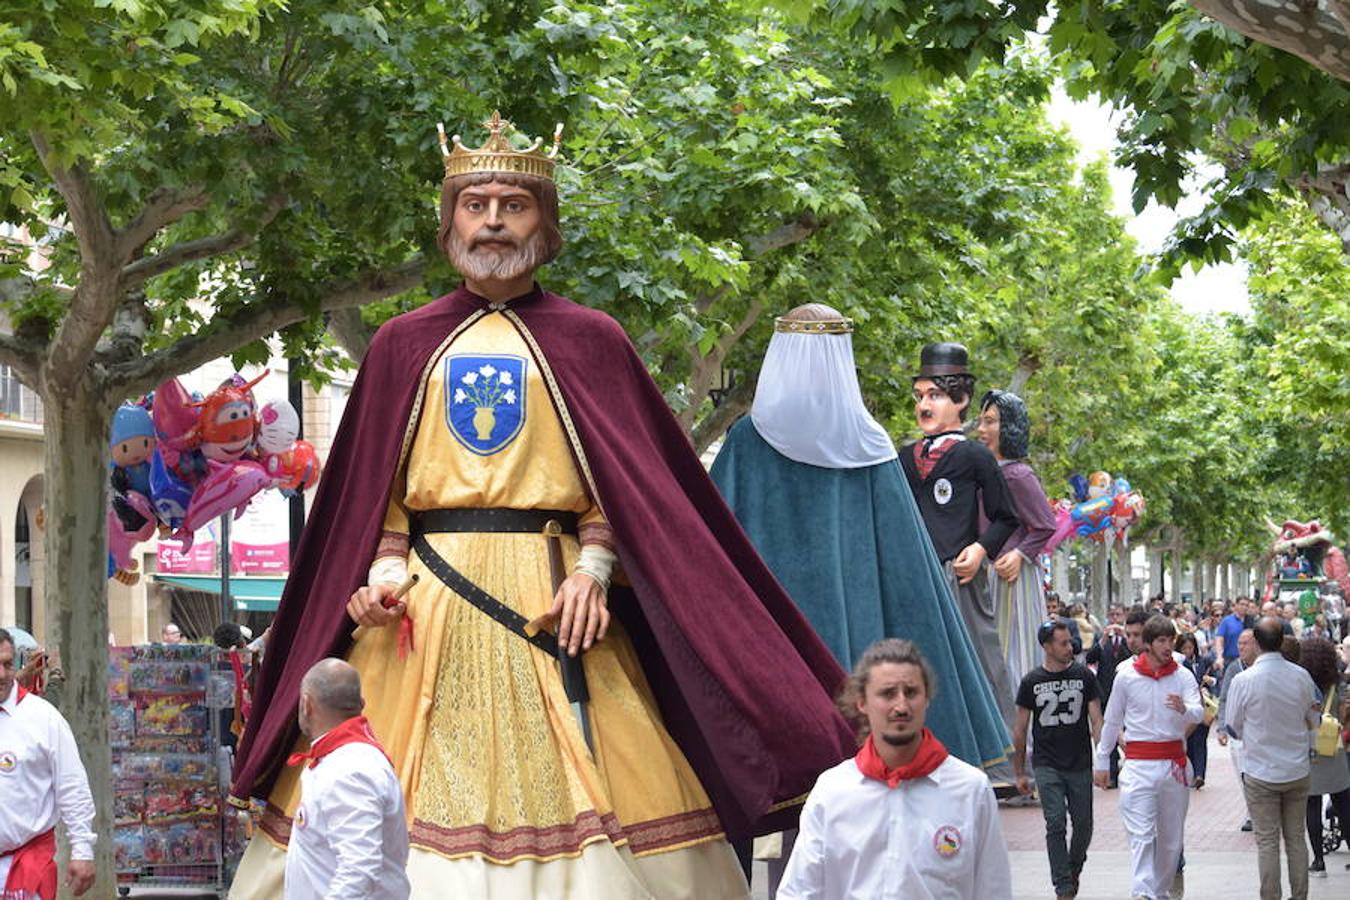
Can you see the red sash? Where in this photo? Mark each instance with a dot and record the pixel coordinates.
(33, 871)
(1173, 750)
(355, 730)
(930, 755)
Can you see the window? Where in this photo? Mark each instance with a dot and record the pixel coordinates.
(16, 400)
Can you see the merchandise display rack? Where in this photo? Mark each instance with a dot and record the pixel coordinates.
(172, 827)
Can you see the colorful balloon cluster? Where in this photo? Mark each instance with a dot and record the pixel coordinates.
(1102, 509)
(179, 461)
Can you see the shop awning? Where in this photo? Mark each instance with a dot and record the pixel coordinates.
(250, 593)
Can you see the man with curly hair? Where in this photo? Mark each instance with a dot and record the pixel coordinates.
(903, 818)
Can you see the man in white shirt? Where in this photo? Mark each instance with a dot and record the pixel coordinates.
(1247, 651)
(902, 819)
(41, 780)
(1153, 700)
(1272, 707)
(349, 840)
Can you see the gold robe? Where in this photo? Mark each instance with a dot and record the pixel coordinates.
(503, 797)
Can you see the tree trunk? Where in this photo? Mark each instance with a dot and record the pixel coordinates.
(76, 500)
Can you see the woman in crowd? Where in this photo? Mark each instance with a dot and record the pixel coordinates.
(1197, 744)
(1329, 775)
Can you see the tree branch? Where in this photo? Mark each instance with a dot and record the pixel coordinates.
(796, 231)
(734, 405)
(165, 206)
(702, 367)
(264, 316)
(95, 298)
(1309, 31)
(1327, 193)
(350, 331)
(21, 358)
(202, 248)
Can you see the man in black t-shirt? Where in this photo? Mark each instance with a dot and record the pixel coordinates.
(1061, 700)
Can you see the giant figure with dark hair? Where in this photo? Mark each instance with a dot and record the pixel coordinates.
(1019, 595)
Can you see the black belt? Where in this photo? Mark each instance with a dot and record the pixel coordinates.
(549, 523)
(495, 521)
(494, 608)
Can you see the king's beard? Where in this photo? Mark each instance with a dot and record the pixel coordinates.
(489, 264)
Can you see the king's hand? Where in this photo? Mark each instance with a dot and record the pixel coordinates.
(366, 607)
(581, 610)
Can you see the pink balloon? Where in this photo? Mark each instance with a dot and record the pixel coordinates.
(174, 416)
(120, 541)
(227, 486)
(1064, 525)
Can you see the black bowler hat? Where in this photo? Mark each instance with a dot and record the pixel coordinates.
(942, 359)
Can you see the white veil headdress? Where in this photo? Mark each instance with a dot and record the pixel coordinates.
(808, 404)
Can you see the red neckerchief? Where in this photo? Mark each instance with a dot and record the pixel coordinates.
(931, 755)
(355, 730)
(32, 870)
(1144, 667)
(17, 700)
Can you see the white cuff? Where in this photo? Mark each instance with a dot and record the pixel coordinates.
(388, 570)
(597, 561)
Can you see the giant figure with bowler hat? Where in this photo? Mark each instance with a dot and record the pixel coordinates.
(952, 478)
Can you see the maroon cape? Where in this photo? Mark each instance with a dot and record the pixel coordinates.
(743, 682)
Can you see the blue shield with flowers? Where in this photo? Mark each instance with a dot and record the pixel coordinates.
(485, 400)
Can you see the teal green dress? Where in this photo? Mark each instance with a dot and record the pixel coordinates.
(852, 552)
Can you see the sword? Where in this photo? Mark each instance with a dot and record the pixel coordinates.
(573, 673)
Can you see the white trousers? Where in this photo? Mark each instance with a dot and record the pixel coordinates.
(1153, 802)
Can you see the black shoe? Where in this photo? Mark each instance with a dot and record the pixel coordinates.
(1199, 783)
(1318, 868)
(1246, 826)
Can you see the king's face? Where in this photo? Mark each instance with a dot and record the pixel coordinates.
(495, 218)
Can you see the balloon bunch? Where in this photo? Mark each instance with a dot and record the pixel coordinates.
(179, 461)
(1102, 509)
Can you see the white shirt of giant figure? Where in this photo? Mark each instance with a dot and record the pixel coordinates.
(349, 838)
(41, 778)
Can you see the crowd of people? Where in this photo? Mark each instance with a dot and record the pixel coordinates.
(1277, 701)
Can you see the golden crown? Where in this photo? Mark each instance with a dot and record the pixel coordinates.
(497, 155)
(813, 326)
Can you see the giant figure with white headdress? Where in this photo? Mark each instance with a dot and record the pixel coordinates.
(814, 480)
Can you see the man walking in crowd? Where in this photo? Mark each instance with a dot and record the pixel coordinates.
(1060, 699)
(1273, 710)
(1106, 654)
(1227, 631)
(41, 780)
(1153, 700)
(952, 479)
(902, 818)
(1246, 645)
(350, 835)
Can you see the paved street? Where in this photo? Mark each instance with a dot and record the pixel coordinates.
(1220, 859)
